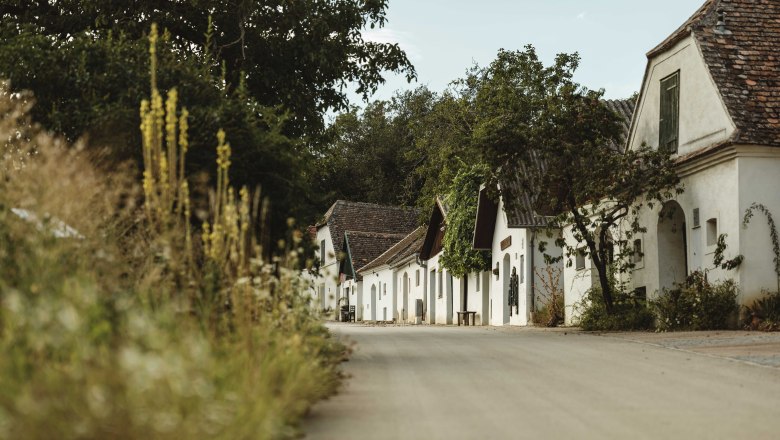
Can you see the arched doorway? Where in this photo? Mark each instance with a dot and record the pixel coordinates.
(405, 299)
(505, 274)
(672, 246)
(373, 302)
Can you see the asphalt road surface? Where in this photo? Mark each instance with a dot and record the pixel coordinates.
(428, 382)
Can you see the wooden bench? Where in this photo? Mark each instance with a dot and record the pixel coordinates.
(467, 315)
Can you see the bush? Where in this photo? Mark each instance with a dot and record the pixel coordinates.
(549, 298)
(764, 313)
(630, 312)
(697, 304)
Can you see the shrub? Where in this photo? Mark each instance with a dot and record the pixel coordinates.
(630, 312)
(764, 313)
(697, 304)
(549, 298)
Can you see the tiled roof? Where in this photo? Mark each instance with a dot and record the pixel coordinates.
(518, 205)
(367, 217)
(743, 57)
(410, 245)
(364, 247)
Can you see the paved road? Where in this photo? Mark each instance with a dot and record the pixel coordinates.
(424, 382)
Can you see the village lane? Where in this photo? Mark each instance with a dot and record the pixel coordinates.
(433, 382)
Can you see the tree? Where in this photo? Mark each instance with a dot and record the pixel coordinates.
(299, 55)
(263, 71)
(568, 145)
(459, 257)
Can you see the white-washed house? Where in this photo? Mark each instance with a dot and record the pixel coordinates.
(447, 295)
(711, 98)
(400, 271)
(511, 230)
(329, 290)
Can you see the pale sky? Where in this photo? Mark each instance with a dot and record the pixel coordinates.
(444, 37)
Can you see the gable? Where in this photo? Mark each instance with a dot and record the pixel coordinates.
(703, 118)
(434, 235)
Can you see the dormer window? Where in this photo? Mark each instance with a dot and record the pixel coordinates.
(669, 127)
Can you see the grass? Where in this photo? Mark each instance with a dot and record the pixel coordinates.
(146, 322)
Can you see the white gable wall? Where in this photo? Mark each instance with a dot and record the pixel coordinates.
(326, 285)
(704, 119)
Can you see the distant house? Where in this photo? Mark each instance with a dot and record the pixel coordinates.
(354, 219)
(511, 229)
(398, 279)
(711, 98)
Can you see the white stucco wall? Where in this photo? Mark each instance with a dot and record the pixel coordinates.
(327, 281)
(524, 256)
(416, 290)
(355, 289)
(704, 119)
(576, 281)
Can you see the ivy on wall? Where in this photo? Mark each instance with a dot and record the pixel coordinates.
(772, 233)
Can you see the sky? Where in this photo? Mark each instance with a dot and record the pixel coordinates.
(442, 38)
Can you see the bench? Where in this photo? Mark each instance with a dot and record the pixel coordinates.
(467, 315)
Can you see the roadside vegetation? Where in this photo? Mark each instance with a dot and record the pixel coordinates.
(127, 310)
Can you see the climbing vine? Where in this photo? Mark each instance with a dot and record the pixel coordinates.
(772, 233)
(459, 257)
(719, 258)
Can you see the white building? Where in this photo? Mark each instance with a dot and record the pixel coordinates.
(328, 293)
(711, 98)
(398, 277)
(512, 231)
(446, 295)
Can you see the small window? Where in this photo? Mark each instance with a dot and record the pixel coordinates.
(640, 294)
(495, 271)
(712, 232)
(479, 275)
(322, 251)
(441, 278)
(417, 277)
(637, 254)
(669, 124)
(522, 268)
(696, 221)
(384, 289)
(580, 262)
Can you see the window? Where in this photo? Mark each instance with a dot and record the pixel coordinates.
(417, 277)
(522, 268)
(322, 251)
(669, 124)
(637, 254)
(696, 221)
(384, 290)
(712, 232)
(479, 275)
(580, 259)
(640, 294)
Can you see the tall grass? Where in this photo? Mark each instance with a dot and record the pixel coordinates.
(139, 321)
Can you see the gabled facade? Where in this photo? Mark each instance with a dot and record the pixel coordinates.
(446, 294)
(711, 98)
(511, 230)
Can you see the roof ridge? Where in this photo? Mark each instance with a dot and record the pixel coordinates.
(684, 29)
(393, 249)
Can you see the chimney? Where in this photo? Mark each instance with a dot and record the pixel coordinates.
(720, 26)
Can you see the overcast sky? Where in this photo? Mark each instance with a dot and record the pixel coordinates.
(444, 37)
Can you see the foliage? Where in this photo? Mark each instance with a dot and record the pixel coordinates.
(772, 233)
(550, 305)
(300, 55)
(365, 155)
(718, 258)
(459, 257)
(126, 324)
(567, 144)
(629, 312)
(764, 313)
(697, 304)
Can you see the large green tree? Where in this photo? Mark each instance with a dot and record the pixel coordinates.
(264, 71)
